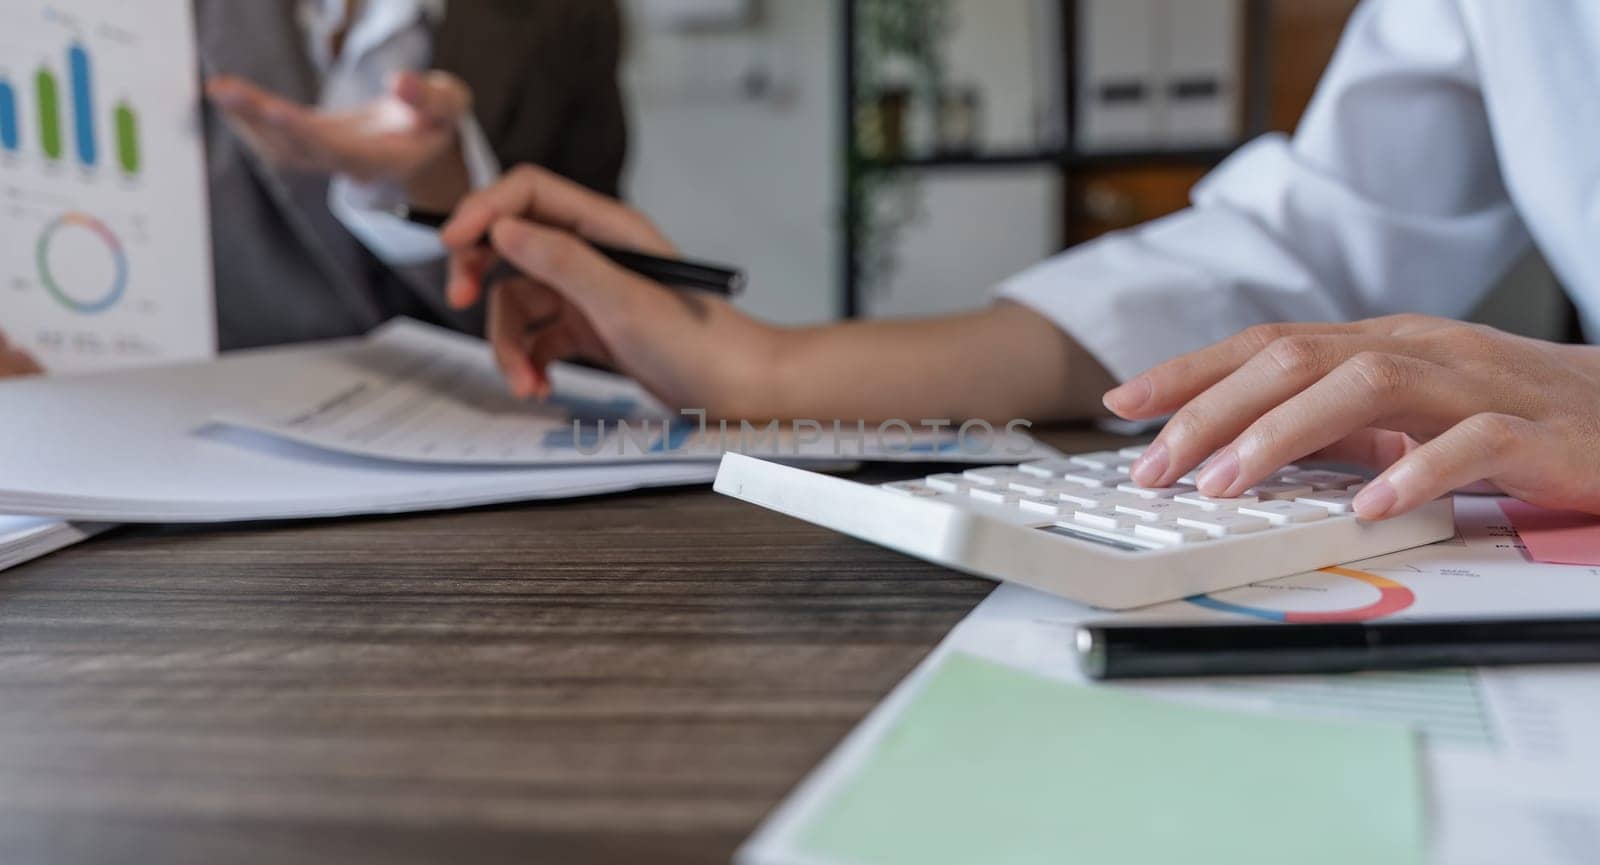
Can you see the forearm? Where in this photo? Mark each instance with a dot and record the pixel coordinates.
(1000, 363)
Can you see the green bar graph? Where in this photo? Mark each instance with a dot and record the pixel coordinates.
(127, 126)
(48, 93)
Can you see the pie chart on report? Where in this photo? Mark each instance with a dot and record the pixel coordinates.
(82, 263)
(1328, 595)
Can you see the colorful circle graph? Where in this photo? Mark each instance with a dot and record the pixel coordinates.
(99, 301)
(1392, 598)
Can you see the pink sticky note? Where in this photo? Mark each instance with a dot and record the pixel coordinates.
(1555, 537)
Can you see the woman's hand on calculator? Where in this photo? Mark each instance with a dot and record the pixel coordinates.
(1435, 404)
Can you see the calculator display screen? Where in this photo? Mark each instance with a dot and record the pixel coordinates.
(1067, 531)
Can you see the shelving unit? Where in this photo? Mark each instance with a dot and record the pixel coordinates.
(1072, 163)
(1065, 159)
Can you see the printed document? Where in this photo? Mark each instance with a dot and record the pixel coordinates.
(1510, 755)
(415, 393)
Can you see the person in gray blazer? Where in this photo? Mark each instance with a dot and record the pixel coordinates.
(323, 115)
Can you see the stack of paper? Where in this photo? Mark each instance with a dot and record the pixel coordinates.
(411, 418)
(138, 446)
(26, 538)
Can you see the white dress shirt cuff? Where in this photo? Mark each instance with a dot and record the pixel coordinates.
(368, 210)
(1124, 299)
(1177, 284)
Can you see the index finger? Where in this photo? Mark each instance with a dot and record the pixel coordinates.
(466, 269)
(536, 194)
(242, 97)
(1167, 387)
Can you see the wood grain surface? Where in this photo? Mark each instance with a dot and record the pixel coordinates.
(624, 679)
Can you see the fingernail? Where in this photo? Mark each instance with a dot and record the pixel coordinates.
(1128, 397)
(1375, 500)
(1220, 474)
(1151, 465)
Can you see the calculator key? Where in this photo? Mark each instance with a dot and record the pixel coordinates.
(1046, 507)
(1322, 480)
(911, 488)
(1095, 477)
(1273, 490)
(1105, 518)
(1048, 468)
(994, 495)
(993, 476)
(1192, 477)
(1134, 489)
(1332, 501)
(1211, 503)
(1101, 460)
(1158, 509)
(1047, 487)
(947, 483)
(1281, 513)
(1133, 453)
(1169, 532)
(1221, 523)
(1092, 497)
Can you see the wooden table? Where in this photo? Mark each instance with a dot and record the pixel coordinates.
(626, 679)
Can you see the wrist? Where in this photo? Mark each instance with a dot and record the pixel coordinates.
(757, 384)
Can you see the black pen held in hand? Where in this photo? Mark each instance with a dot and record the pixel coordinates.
(673, 272)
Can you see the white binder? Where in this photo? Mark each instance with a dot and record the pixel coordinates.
(1158, 73)
(1202, 76)
(1117, 85)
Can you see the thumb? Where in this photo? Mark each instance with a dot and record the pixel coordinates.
(441, 98)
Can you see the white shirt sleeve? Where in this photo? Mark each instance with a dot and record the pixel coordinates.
(368, 209)
(1388, 199)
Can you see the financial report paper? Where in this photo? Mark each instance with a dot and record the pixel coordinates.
(137, 445)
(415, 393)
(1510, 753)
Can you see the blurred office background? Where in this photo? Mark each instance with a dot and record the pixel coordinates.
(960, 140)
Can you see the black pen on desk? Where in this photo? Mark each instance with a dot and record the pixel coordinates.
(674, 272)
(1109, 650)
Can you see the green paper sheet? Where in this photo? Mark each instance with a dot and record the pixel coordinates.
(988, 764)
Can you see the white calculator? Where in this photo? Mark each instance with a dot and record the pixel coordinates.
(1079, 528)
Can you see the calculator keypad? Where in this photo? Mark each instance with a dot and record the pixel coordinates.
(1092, 494)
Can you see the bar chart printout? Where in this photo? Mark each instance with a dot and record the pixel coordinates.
(104, 235)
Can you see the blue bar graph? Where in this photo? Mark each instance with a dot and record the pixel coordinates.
(82, 102)
(10, 138)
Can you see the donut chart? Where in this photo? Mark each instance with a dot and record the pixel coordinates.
(1392, 598)
(86, 300)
